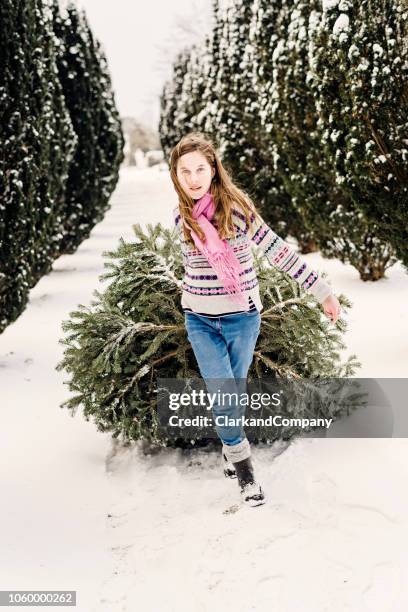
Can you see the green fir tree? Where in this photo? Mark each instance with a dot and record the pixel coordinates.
(134, 333)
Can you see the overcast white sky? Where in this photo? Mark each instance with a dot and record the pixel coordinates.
(140, 39)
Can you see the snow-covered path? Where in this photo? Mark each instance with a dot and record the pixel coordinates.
(132, 531)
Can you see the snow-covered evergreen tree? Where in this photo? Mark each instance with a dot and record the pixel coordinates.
(205, 119)
(214, 116)
(169, 101)
(37, 143)
(269, 191)
(191, 102)
(358, 78)
(240, 139)
(327, 212)
(88, 94)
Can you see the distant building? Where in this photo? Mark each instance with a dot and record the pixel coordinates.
(139, 139)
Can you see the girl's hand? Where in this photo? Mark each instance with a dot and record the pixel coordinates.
(331, 307)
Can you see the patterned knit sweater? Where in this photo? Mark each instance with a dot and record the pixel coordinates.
(202, 291)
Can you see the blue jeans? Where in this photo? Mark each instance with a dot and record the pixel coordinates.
(224, 348)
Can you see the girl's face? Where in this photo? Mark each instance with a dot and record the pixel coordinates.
(194, 174)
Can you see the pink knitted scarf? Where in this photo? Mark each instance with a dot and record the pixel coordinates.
(217, 251)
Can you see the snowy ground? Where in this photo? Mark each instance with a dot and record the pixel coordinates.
(130, 531)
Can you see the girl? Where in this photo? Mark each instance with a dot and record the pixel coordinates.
(217, 222)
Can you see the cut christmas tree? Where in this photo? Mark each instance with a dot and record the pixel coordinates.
(133, 333)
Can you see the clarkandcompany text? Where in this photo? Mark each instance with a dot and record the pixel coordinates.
(276, 420)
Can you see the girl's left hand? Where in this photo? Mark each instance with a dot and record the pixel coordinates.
(331, 307)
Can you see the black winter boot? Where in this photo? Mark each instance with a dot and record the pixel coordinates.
(251, 492)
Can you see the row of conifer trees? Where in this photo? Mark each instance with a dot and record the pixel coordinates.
(61, 141)
(307, 101)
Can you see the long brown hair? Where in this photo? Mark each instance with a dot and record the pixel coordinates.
(223, 190)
